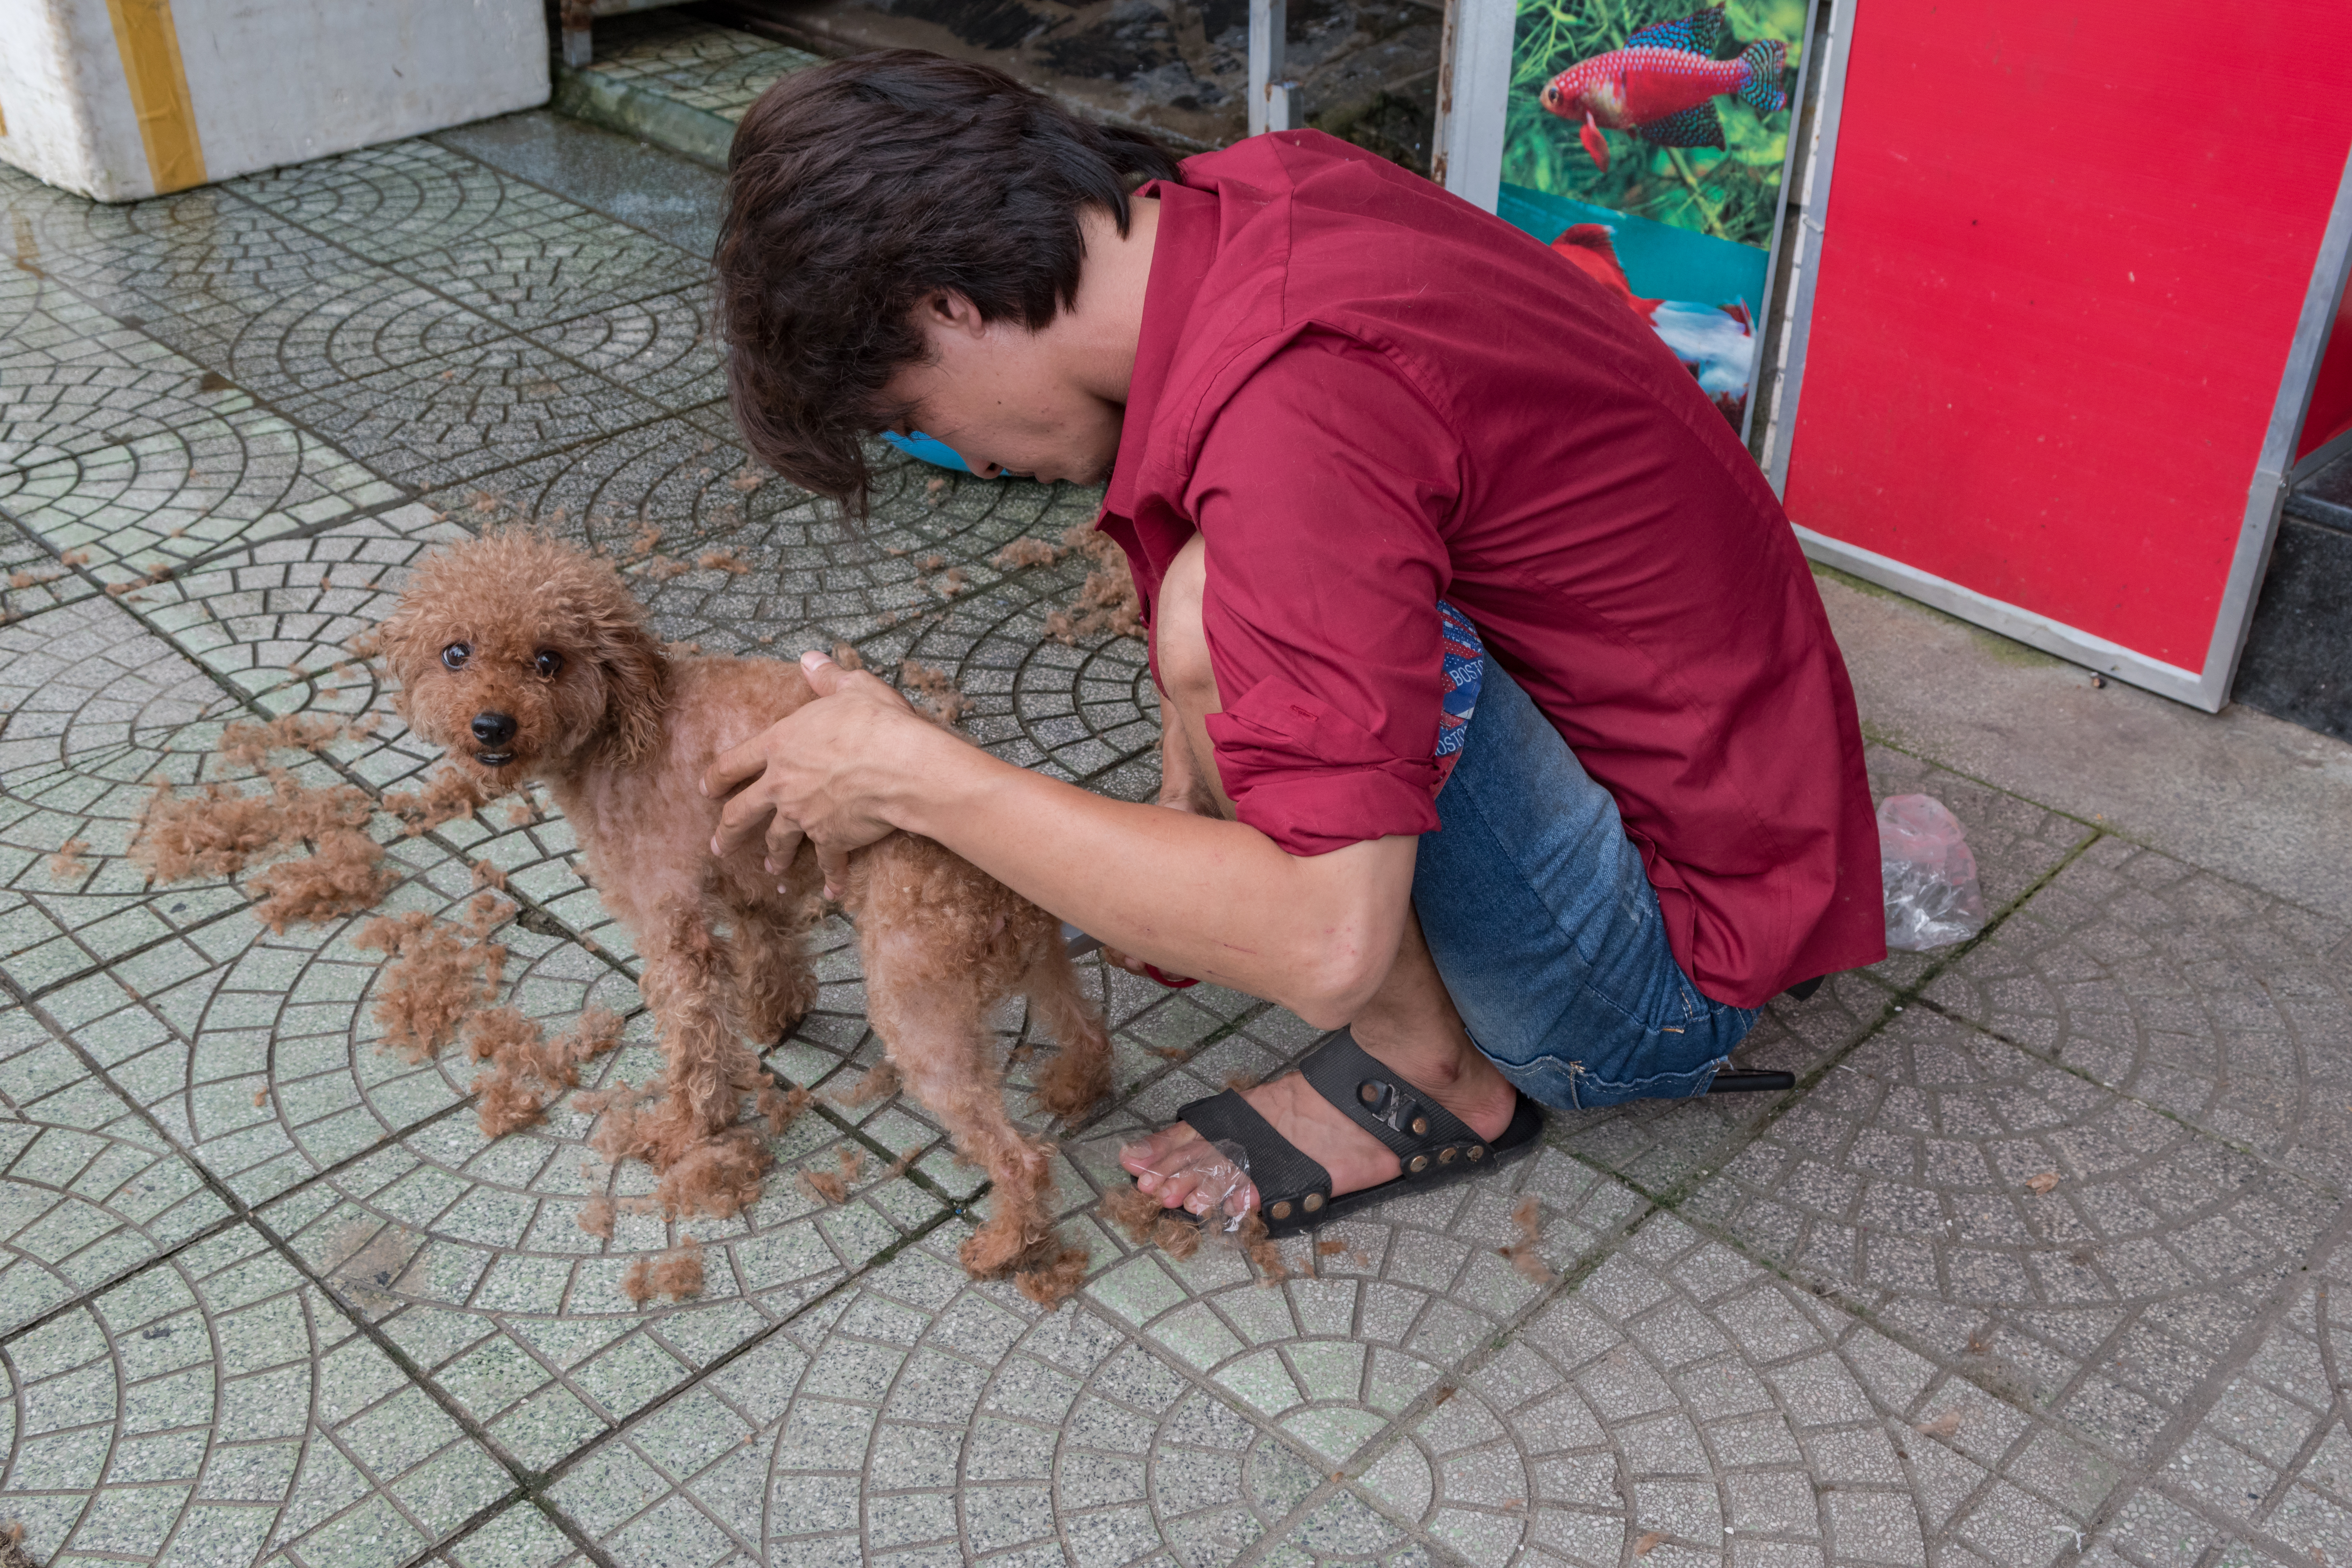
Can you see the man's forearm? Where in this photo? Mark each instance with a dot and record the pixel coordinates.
(1202, 897)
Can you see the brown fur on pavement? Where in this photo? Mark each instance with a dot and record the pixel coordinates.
(435, 979)
(621, 733)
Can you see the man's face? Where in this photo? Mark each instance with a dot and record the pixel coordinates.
(1008, 400)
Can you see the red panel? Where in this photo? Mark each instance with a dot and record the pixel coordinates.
(2331, 396)
(2066, 248)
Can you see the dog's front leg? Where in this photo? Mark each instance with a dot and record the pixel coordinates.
(690, 983)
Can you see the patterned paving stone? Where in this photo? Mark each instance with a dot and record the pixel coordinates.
(1905, 1185)
(2214, 1002)
(918, 1416)
(1684, 1406)
(43, 322)
(1087, 713)
(216, 1407)
(259, 1052)
(521, 1535)
(814, 577)
(2267, 1474)
(1343, 1529)
(1660, 1145)
(665, 347)
(245, 292)
(31, 577)
(834, 1046)
(469, 1253)
(87, 1191)
(1335, 1354)
(275, 623)
(517, 255)
(456, 416)
(112, 444)
(38, 222)
(93, 707)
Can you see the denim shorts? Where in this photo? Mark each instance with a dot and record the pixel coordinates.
(1545, 929)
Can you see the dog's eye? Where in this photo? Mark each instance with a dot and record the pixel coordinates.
(454, 655)
(549, 663)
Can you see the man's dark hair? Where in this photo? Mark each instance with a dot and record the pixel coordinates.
(856, 189)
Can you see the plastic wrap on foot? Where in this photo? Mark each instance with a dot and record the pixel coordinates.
(1223, 1194)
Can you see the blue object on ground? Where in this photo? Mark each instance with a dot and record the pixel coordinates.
(918, 444)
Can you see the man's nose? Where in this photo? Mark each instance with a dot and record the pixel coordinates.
(494, 729)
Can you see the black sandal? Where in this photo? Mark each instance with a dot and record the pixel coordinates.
(1293, 1192)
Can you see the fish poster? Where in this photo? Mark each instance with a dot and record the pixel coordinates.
(1647, 142)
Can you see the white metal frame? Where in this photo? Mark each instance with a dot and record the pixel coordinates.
(1812, 206)
(1270, 83)
(1473, 89)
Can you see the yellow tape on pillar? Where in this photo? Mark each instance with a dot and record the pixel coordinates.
(149, 48)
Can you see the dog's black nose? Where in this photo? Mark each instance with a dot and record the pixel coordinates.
(494, 729)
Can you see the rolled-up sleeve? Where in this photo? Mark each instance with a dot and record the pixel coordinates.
(1322, 491)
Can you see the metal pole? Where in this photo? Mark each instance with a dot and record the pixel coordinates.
(1269, 93)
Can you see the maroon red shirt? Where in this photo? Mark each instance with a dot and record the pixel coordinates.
(1366, 394)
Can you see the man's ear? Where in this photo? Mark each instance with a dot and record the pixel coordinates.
(947, 311)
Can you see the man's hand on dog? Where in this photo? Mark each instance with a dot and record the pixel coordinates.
(806, 776)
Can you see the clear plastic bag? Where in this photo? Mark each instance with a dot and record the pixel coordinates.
(1224, 1196)
(1930, 875)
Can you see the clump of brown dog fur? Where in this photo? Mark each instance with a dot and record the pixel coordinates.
(934, 693)
(220, 830)
(1053, 1275)
(443, 797)
(1264, 1250)
(1132, 1210)
(1106, 602)
(1526, 1218)
(250, 741)
(677, 1274)
(1142, 1218)
(436, 976)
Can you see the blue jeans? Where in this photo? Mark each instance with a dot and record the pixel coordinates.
(1545, 929)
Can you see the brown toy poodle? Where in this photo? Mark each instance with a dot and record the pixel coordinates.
(527, 659)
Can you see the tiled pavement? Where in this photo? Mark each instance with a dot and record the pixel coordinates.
(266, 1293)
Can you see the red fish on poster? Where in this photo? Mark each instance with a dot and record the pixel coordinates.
(1661, 86)
(1717, 343)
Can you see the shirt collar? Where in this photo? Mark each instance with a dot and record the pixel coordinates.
(1182, 254)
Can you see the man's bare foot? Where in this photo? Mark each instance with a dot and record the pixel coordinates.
(1177, 1166)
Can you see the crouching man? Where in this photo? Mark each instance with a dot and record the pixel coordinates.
(1503, 722)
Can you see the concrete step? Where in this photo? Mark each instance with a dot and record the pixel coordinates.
(674, 81)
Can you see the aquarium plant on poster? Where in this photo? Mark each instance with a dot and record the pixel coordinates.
(1647, 142)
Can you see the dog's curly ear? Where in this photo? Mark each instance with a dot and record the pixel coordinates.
(400, 644)
(637, 688)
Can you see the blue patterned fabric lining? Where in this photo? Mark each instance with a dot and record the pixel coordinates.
(1465, 659)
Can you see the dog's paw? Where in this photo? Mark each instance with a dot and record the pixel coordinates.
(772, 1007)
(1073, 1083)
